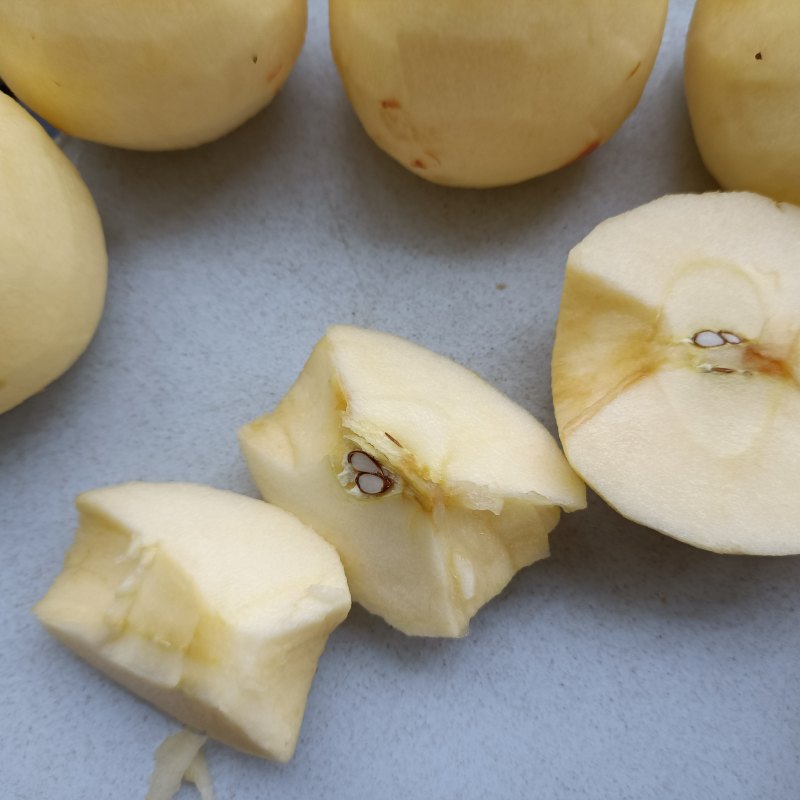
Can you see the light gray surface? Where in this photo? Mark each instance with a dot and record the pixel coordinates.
(625, 666)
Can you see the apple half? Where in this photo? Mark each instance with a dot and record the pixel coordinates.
(676, 368)
(213, 606)
(433, 486)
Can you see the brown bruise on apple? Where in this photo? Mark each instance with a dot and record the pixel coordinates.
(599, 324)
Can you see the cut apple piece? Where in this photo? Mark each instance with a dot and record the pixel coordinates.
(676, 368)
(213, 606)
(434, 487)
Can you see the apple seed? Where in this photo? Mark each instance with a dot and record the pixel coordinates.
(371, 477)
(708, 339)
(364, 462)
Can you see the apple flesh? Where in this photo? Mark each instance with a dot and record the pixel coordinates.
(149, 75)
(676, 369)
(476, 94)
(433, 486)
(213, 606)
(53, 263)
(742, 77)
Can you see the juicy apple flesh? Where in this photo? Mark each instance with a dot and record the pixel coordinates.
(434, 487)
(676, 365)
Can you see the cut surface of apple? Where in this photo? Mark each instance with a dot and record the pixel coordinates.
(433, 486)
(213, 606)
(676, 369)
(53, 262)
(149, 75)
(742, 76)
(484, 94)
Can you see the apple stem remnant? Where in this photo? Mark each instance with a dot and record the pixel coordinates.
(371, 476)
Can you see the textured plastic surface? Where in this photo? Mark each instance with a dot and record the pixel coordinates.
(625, 666)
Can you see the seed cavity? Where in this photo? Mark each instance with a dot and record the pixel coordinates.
(371, 477)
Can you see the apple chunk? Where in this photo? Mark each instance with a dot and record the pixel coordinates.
(213, 606)
(434, 487)
(676, 368)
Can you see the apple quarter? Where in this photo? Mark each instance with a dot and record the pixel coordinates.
(676, 368)
(434, 487)
(213, 606)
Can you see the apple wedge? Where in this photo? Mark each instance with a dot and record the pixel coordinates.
(676, 368)
(434, 487)
(213, 606)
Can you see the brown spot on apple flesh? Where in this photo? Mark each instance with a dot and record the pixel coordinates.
(634, 70)
(418, 164)
(392, 439)
(755, 359)
(390, 103)
(739, 356)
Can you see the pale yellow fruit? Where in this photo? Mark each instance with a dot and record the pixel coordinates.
(676, 369)
(481, 93)
(213, 606)
(149, 75)
(459, 485)
(53, 263)
(742, 76)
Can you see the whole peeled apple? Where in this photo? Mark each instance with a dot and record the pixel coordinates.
(53, 262)
(149, 75)
(742, 76)
(483, 94)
